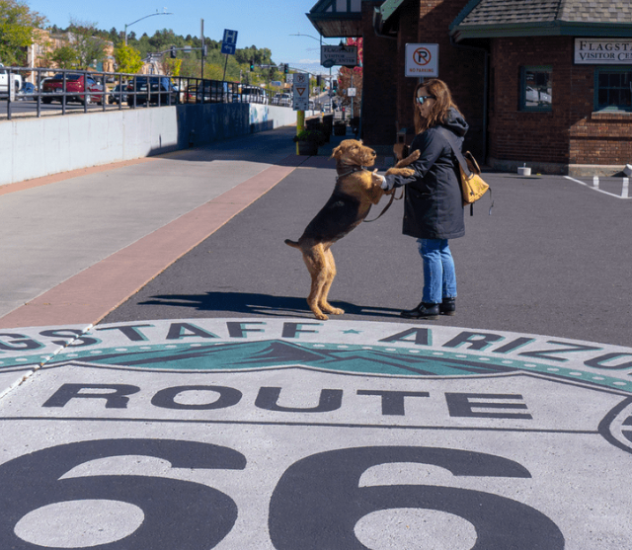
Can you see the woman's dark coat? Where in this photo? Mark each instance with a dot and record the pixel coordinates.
(433, 207)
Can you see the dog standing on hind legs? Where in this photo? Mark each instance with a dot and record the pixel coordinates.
(354, 194)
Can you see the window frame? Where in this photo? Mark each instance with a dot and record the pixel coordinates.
(609, 69)
(523, 89)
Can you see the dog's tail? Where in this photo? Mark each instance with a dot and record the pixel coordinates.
(292, 243)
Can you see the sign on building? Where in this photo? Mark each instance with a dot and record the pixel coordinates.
(229, 42)
(347, 56)
(422, 60)
(603, 51)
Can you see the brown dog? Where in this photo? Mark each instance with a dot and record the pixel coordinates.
(355, 191)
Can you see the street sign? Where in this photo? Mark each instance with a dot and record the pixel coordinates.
(301, 92)
(422, 60)
(229, 43)
(351, 92)
(346, 56)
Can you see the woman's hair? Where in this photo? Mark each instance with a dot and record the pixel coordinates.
(443, 102)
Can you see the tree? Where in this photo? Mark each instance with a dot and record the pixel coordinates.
(348, 78)
(17, 22)
(88, 46)
(65, 57)
(127, 59)
(170, 67)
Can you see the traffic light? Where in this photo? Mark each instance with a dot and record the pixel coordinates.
(252, 66)
(334, 85)
(319, 81)
(173, 52)
(286, 68)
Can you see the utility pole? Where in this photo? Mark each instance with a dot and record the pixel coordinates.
(202, 39)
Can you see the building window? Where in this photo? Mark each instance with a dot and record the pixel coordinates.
(536, 93)
(613, 88)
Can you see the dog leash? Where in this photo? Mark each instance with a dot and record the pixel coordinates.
(393, 197)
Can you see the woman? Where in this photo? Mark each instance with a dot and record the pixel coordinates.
(433, 207)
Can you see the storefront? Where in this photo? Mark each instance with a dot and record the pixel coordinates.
(547, 83)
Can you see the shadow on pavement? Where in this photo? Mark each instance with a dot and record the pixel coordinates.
(258, 304)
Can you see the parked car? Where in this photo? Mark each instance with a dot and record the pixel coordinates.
(286, 100)
(152, 88)
(276, 99)
(118, 94)
(209, 91)
(16, 81)
(76, 86)
(252, 94)
(27, 91)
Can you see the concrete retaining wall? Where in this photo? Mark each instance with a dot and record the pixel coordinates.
(36, 147)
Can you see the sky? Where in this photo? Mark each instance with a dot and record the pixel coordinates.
(260, 23)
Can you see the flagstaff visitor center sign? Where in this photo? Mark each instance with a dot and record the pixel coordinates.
(603, 51)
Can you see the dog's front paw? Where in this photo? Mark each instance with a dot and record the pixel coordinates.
(410, 158)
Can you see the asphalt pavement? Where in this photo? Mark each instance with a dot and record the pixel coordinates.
(164, 385)
(552, 258)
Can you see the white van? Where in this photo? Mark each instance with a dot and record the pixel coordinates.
(252, 94)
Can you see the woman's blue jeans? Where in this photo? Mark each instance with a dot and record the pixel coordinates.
(439, 273)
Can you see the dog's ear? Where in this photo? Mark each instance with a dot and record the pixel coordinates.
(335, 152)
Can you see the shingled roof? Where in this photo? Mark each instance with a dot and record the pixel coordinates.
(495, 18)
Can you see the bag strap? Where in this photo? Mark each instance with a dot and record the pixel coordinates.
(466, 170)
(456, 150)
(393, 197)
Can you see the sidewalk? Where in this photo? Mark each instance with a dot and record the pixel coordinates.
(107, 232)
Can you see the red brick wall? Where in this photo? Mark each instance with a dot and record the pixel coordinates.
(570, 133)
(462, 69)
(388, 92)
(379, 86)
(601, 138)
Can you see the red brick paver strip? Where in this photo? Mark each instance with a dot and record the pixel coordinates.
(93, 293)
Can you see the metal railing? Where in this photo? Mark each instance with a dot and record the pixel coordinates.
(132, 90)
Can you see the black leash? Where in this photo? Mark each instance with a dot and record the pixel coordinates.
(393, 197)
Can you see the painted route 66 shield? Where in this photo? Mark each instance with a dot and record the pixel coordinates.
(277, 434)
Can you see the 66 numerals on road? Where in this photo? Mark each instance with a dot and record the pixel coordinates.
(315, 505)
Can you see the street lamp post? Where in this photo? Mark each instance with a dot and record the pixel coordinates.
(146, 16)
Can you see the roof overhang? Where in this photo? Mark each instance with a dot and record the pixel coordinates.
(333, 26)
(554, 28)
(333, 19)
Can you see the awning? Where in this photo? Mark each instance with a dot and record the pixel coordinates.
(383, 20)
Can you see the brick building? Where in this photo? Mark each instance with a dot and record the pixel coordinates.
(542, 82)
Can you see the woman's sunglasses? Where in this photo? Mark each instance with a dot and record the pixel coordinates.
(420, 99)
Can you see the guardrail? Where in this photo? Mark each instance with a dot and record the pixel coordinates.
(134, 90)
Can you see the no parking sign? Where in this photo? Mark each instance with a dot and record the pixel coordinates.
(422, 60)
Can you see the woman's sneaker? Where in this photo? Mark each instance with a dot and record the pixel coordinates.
(448, 306)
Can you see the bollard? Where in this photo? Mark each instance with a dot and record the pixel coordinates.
(625, 188)
(596, 182)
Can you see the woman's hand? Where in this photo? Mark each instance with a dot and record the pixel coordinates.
(377, 179)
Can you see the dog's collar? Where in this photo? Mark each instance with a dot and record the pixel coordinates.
(350, 171)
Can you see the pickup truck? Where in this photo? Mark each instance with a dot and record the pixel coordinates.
(4, 79)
